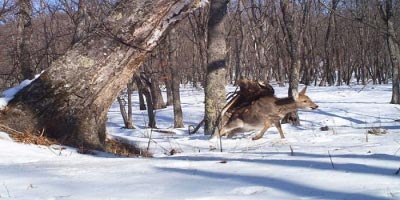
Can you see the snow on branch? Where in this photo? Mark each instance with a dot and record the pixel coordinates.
(176, 13)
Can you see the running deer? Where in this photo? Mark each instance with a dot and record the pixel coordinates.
(263, 112)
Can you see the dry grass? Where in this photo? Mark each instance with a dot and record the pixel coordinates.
(28, 137)
(377, 131)
(124, 148)
(113, 146)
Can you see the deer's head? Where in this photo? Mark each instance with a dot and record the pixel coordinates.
(304, 102)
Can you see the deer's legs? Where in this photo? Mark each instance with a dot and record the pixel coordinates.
(227, 129)
(278, 126)
(267, 124)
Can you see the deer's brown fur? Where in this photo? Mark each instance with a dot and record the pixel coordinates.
(264, 112)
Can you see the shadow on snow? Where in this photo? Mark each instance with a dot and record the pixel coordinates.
(278, 184)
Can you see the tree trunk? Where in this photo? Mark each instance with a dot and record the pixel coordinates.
(142, 104)
(70, 100)
(122, 103)
(216, 72)
(158, 101)
(24, 36)
(175, 82)
(386, 11)
(238, 44)
(394, 51)
(328, 67)
(168, 87)
(81, 22)
(144, 87)
(129, 89)
(126, 116)
(293, 43)
(178, 117)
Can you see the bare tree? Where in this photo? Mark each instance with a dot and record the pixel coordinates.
(5, 7)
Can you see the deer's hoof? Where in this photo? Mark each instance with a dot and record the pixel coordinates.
(256, 137)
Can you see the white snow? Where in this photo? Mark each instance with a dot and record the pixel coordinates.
(9, 94)
(336, 164)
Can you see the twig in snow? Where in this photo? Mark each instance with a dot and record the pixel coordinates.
(330, 157)
(152, 140)
(8, 192)
(364, 86)
(53, 149)
(220, 143)
(397, 151)
(195, 129)
(148, 143)
(164, 131)
(291, 150)
(397, 172)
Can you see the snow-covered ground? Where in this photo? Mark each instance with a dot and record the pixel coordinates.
(343, 162)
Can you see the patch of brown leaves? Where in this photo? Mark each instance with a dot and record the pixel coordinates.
(377, 131)
(124, 148)
(28, 137)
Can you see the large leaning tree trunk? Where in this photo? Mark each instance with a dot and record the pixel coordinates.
(216, 69)
(70, 100)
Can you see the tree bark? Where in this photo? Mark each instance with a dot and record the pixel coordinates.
(129, 89)
(81, 22)
(394, 50)
(216, 69)
(25, 31)
(328, 67)
(144, 87)
(175, 82)
(124, 114)
(142, 104)
(238, 44)
(70, 100)
(293, 43)
(158, 101)
(178, 117)
(168, 87)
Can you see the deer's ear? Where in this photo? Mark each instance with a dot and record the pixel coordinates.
(303, 91)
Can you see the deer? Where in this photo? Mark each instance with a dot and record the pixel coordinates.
(262, 113)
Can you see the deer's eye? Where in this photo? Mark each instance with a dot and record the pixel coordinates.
(305, 101)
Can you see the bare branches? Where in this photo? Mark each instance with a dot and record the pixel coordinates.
(6, 7)
(358, 19)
